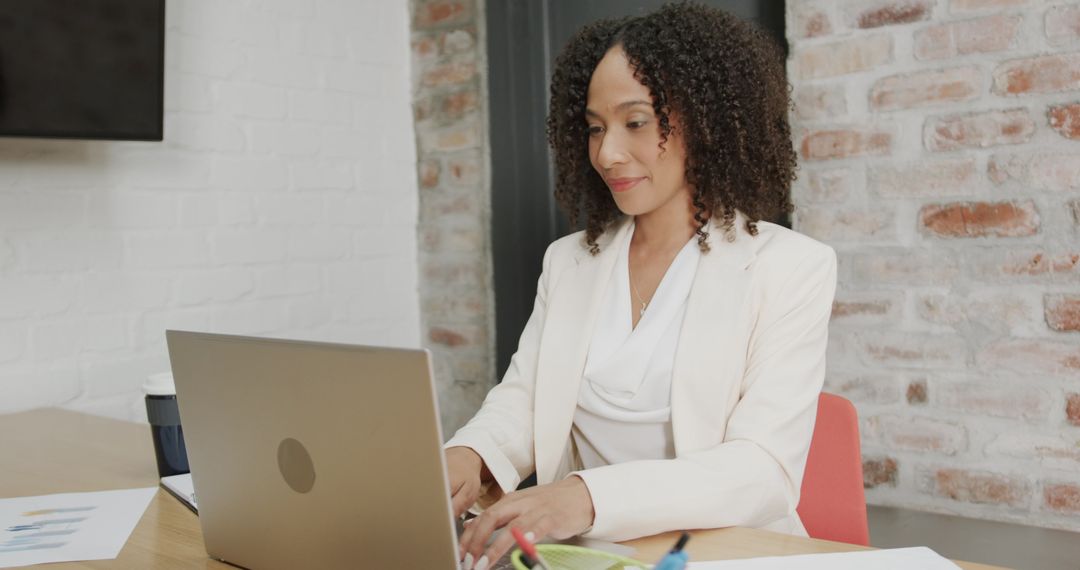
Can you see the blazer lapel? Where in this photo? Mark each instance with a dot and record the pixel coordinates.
(711, 354)
(573, 307)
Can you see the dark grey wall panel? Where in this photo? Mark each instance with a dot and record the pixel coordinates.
(523, 39)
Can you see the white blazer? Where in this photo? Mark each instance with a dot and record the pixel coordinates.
(748, 369)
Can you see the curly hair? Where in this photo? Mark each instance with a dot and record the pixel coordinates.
(723, 77)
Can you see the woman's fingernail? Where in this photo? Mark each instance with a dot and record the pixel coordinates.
(530, 536)
(467, 564)
(481, 564)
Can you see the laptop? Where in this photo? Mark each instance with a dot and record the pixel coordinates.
(314, 455)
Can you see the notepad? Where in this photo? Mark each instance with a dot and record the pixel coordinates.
(181, 487)
(889, 559)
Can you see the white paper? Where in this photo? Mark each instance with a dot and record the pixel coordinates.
(890, 559)
(182, 488)
(70, 526)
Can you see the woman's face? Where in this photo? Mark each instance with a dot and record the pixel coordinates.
(624, 141)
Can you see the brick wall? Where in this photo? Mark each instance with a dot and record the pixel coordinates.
(940, 151)
(450, 110)
(282, 202)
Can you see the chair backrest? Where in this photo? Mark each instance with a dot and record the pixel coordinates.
(833, 506)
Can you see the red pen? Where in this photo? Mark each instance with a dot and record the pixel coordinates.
(528, 548)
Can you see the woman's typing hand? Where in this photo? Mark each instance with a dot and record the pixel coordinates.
(558, 510)
(464, 469)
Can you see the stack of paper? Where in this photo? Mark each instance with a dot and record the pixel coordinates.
(892, 559)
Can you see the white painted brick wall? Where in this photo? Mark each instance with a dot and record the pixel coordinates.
(282, 202)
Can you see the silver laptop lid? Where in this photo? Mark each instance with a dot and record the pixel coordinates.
(314, 455)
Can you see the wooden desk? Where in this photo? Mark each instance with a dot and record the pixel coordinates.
(56, 451)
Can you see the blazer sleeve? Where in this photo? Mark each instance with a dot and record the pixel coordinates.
(501, 432)
(754, 476)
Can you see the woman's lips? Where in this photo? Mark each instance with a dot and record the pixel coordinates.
(623, 184)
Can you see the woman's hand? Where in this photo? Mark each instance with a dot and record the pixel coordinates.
(464, 469)
(559, 510)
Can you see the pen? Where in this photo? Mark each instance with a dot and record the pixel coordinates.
(529, 548)
(676, 558)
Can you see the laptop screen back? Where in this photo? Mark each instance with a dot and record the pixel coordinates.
(314, 455)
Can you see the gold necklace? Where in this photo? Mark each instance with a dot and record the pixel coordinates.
(638, 295)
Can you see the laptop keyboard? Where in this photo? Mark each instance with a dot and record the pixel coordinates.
(503, 563)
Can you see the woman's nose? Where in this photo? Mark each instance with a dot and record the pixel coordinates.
(611, 151)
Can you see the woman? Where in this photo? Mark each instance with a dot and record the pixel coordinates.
(668, 376)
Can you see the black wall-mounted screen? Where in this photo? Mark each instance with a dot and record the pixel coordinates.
(85, 69)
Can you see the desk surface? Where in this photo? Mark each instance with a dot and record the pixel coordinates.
(55, 451)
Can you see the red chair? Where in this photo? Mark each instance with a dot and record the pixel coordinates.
(833, 506)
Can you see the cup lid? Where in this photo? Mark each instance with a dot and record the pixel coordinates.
(160, 384)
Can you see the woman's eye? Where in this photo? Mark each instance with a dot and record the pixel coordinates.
(595, 130)
(635, 124)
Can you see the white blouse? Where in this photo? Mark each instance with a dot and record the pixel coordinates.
(624, 405)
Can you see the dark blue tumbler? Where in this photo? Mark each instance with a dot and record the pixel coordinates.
(164, 417)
